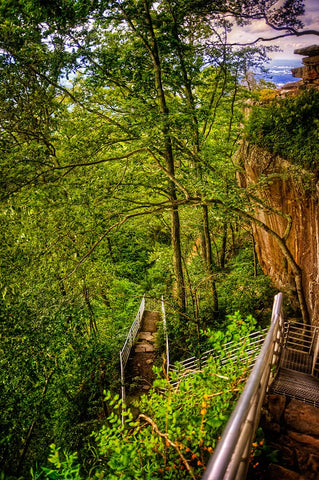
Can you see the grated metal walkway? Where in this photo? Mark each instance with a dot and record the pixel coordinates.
(299, 385)
(298, 374)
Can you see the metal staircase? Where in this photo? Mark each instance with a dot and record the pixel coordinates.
(287, 365)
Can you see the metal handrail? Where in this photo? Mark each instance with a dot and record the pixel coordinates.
(230, 459)
(231, 352)
(129, 342)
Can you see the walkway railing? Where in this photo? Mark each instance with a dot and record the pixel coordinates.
(301, 343)
(147, 303)
(230, 459)
(230, 352)
(129, 342)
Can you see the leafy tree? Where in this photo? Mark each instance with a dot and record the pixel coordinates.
(111, 113)
(152, 76)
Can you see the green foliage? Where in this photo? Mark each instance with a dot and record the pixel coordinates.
(288, 127)
(261, 455)
(51, 375)
(243, 287)
(64, 467)
(175, 433)
(90, 169)
(234, 330)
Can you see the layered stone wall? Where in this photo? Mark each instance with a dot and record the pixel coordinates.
(294, 192)
(308, 73)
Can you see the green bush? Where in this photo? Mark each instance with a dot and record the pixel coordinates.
(177, 428)
(288, 127)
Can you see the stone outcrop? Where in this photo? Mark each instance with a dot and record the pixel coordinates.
(294, 192)
(309, 72)
(291, 428)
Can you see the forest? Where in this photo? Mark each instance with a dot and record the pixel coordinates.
(119, 124)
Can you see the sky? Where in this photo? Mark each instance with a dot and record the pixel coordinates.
(288, 44)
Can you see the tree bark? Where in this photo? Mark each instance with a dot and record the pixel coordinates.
(170, 163)
(209, 260)
(224, 244)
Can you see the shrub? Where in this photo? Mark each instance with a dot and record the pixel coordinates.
(288, 127)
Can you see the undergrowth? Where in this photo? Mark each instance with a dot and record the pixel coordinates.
(177, 427)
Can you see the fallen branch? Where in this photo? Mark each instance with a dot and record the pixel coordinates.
(172, 444)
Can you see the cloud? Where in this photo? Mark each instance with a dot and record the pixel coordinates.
(311, 17)
(288, 44)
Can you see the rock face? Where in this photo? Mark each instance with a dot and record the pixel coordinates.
(294, 192)
(292, 429)
(309, 72)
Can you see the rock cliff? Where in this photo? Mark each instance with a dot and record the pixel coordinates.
(291, 429)
(287, 192)
(293, 192)
(309, 72)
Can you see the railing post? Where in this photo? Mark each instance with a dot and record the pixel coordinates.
(122, 385)
(279, 337)
(316, 351)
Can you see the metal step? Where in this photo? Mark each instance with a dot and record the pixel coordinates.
(298, 385)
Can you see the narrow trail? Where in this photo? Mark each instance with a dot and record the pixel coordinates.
(140, 375)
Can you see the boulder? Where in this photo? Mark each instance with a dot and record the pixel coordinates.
(276, 406)
(308, 464)
(276, 472)
(307, 442)
(302, 417)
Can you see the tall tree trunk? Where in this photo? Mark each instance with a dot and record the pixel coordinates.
(177, 259)
(93, 325)
(209, 260)
(169, 160)
(224, 244)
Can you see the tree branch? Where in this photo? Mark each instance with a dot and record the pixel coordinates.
(172, 444)
(104, 160)
(291, 33)
(170, 176)
(117, 224)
